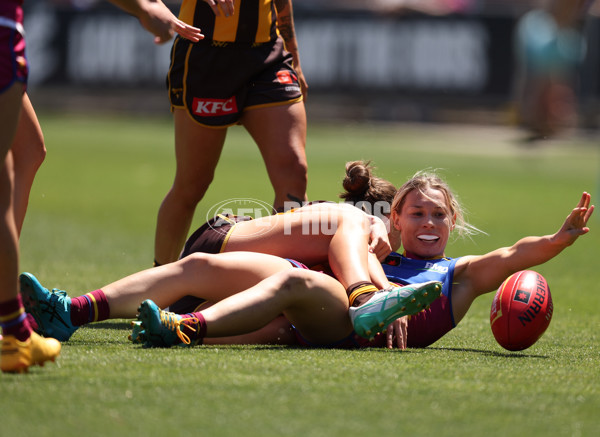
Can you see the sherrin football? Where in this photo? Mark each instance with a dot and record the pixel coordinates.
(521, 310)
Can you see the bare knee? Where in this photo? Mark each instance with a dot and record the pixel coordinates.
(297, 166)
(299, 172)
(29, 151)
(37, 152)
(290, 168)
(301, 281)
(195, 260)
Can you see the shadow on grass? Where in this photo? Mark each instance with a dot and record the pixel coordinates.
(96, 337)
(112, 325)
(412, 351)
(516, 354)
(122, 325)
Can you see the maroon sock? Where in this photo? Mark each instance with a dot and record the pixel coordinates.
(91, 307)
(13, 319)
(195, 331)
(32, 322)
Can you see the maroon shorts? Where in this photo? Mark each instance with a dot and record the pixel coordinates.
(210, 237)
(13, 63)
(216, 81)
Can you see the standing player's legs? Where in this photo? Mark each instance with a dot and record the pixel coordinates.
(27, 154)
(280, 133)
(21, 347)
(10, 107)
(197, 153)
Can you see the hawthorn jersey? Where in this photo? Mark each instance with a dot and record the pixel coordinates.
(254, 21)
(240, 64)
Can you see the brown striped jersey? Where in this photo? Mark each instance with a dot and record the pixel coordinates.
(254, 21)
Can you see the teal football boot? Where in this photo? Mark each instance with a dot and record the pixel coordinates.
(163, 328)
(50, 309)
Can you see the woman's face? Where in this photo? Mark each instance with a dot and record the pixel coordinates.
(424, 224)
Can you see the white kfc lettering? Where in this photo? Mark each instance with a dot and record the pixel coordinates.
(201, 108)
(213, 107)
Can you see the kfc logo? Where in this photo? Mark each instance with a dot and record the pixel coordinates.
(214, 107)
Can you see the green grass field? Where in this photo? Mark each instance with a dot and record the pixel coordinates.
(91, 221)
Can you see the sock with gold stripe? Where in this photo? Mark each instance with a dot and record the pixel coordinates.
(195, 328)
(91, 307)
(360, 292)
(13, 319)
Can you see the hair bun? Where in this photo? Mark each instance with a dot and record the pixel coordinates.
(358, 177)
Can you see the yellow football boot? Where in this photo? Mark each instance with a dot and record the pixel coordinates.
(17, 356)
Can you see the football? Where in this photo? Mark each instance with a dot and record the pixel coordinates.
(521, 310)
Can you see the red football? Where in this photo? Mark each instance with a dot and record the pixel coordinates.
(521, 310)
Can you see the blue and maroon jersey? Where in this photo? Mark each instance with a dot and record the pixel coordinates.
(403, 271)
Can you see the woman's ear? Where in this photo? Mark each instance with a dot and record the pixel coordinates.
(395, 219)
(453, 222)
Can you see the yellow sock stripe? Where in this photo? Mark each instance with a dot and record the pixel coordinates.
(12, 316)
(361, 290)
(95, 305)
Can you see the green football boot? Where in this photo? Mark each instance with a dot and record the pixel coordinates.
(385, 306)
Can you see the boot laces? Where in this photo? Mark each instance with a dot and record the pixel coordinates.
(173, 322)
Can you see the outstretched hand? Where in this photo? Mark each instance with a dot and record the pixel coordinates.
(576, 222)
(160, 21)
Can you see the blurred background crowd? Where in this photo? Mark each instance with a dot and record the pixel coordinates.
(531, 63)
